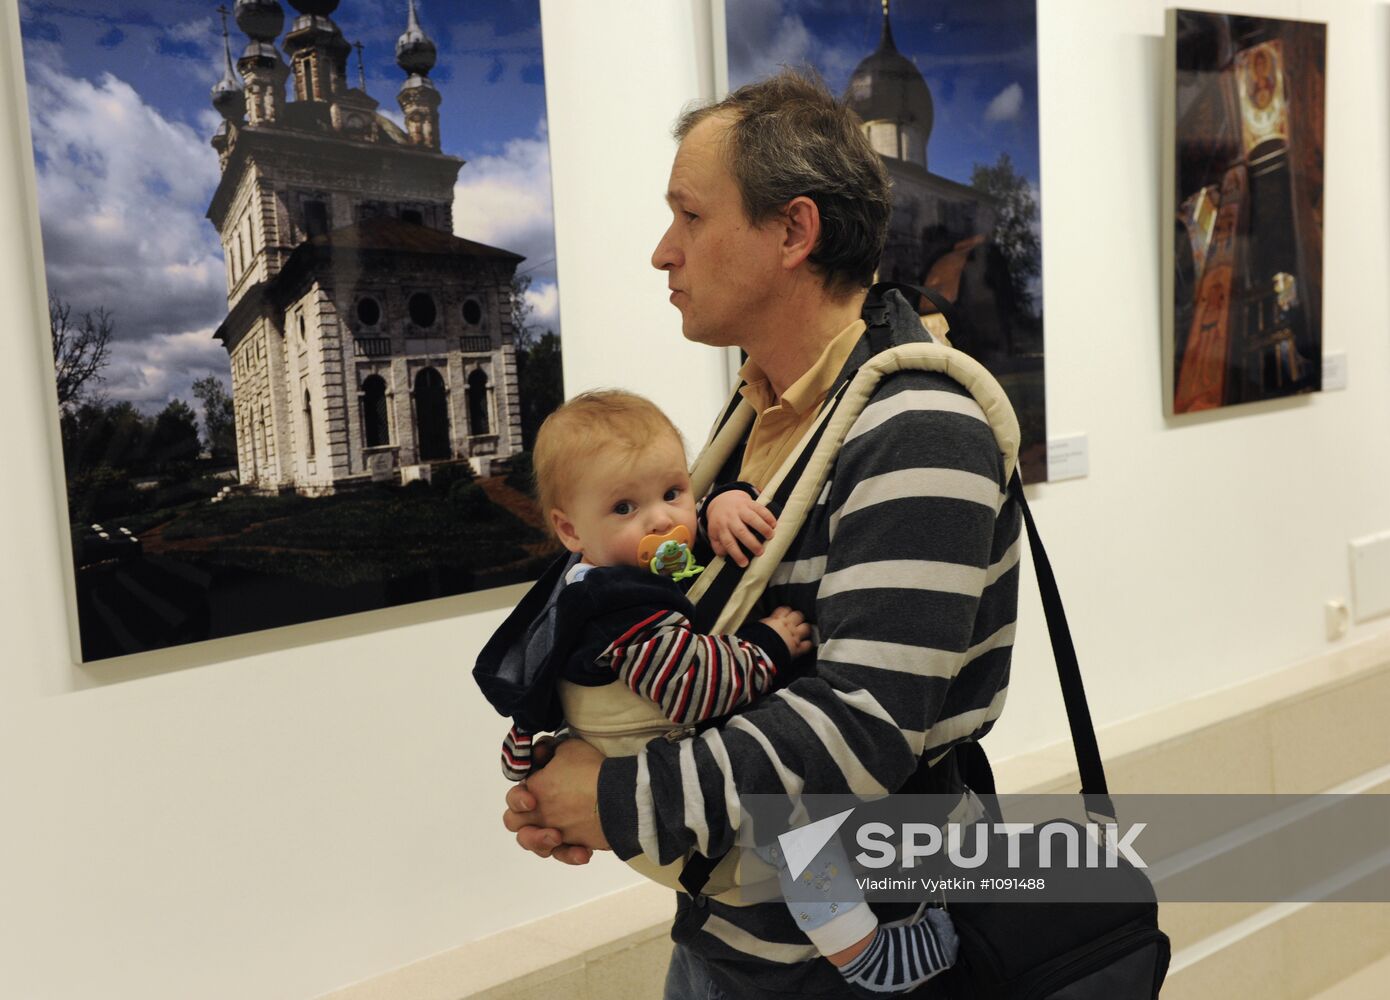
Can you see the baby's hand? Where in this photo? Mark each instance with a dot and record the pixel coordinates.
(793, 628)
(731, 520)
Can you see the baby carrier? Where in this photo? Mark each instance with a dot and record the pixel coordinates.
(619, 722)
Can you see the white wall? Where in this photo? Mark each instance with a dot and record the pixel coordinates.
(278, 815)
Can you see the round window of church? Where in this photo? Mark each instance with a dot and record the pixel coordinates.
(368, 312)
(422, 311)
(472, 312)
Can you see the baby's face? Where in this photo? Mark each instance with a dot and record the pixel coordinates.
(617, 500)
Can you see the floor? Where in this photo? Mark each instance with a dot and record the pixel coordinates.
(1371, 983)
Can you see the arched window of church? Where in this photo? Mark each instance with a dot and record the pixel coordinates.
(432, 416)
(374, 411)
(308, 427)
(477, 403)
(315, 217)
(303, 334)
(422, 309)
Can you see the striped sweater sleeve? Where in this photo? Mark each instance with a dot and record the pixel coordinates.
(695, 677)
(915, 553)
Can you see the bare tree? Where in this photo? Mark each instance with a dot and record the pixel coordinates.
(523, 333)
(81, 349)
(219, 416)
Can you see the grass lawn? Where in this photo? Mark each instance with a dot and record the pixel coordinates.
(350, 538)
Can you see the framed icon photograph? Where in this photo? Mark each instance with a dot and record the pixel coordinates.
(1246, 208)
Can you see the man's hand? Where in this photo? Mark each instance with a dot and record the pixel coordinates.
(730, 522)
(554, 812)
(793, 628)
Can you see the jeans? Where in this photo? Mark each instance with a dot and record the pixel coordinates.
(688, 978)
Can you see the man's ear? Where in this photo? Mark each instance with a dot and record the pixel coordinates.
(801, 218)
(564, 530)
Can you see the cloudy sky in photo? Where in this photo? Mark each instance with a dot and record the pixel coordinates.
(120, 117)
(979, 58)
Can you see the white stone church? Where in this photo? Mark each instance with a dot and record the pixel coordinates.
(364, 336)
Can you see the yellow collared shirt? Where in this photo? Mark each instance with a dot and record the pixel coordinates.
(780, 423)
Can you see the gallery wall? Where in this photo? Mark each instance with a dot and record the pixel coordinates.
(282, 814)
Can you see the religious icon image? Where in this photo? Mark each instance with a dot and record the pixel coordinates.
(1247, 210)
(303, 304)
(948, 96)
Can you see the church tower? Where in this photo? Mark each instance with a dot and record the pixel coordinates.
(418, 98)
(938, 225)
(366, 340)
(261, 65)
(889, 93)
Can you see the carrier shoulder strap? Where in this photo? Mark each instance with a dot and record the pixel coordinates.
(804, 474)
(725, 593)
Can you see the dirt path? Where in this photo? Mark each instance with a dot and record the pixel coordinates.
(155, 542)
(524, 509)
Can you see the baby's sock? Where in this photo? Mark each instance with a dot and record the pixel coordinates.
(904, 957)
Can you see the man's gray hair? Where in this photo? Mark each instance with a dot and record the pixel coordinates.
(788, 136)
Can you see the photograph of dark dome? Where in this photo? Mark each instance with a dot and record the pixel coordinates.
(948, 94)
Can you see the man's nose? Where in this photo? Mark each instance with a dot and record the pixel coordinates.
(665, 256)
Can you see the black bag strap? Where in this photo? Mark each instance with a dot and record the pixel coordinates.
(697, 870)
(876, 310)
(729, 410)
(1083, 733)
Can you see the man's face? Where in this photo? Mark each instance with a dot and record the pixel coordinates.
(721, 268)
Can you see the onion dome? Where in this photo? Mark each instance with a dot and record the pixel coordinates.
(415, 51)
(262, 20)
(261, 54)
(886, 86)
(228, 97)
(315, 8)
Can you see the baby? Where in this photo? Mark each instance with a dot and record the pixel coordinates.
(611, 474)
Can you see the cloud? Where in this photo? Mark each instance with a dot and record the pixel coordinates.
(122, 196)
(504, 201)
(763, 38)
(148, 373)
(199, 30)
(544, 300)
(1006, 105)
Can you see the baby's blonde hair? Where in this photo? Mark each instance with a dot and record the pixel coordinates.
(602, 421)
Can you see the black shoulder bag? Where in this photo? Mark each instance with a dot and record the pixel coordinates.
(1058, 950)
(1048, 950)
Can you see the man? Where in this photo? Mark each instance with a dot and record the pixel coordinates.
(908, 565)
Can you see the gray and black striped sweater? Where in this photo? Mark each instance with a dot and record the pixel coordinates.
(908, 567)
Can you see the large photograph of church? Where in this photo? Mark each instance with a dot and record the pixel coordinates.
(303, 304)
(1247, 219)
(948, 93)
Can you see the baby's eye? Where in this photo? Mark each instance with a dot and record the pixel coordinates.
(623, 508)
(672, 494)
